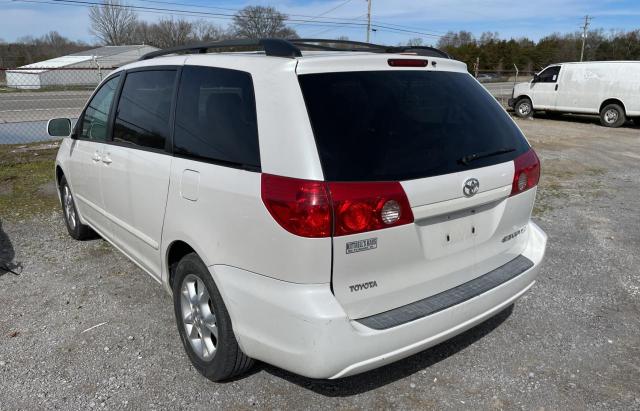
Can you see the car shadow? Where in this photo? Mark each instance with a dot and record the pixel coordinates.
(584, 119)
(7, 254)
(388, 374)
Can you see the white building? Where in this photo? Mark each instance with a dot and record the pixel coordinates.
(83, 68)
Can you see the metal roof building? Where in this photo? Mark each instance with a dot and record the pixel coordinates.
(85, 68)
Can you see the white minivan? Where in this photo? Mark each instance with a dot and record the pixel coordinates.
(610, 89)
(324, 211)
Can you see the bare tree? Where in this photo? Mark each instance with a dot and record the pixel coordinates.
(169, 33)
(489, 36)
(452, 39)
(113, 22)
(202, 30)
(415, 42)
(254, 22)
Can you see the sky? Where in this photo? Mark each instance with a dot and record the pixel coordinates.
(397, 20)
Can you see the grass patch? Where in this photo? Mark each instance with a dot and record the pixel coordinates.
(26, 178)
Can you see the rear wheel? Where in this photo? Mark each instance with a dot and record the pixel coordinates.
(612, 115)
(76, 229)
(204, 323)
(523, 108)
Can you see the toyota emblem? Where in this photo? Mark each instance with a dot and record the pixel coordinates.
(471, 187)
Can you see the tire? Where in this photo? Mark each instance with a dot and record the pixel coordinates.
(523, 108)
(76, 229)
(612, 115)
(205, 324)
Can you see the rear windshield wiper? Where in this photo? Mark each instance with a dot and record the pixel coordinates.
(484, 154)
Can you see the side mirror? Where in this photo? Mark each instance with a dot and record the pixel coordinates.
(536, 78)
(59, 127)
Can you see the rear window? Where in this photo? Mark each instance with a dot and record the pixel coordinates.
(402, 125)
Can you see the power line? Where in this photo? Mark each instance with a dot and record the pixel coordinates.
(333, 28)
(330, 10)
(222, 16)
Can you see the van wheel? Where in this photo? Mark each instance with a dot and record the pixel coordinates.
(523, 108)
(204, 323)
(76, 229)
(612, 115)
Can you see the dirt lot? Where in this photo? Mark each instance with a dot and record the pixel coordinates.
(573, 342)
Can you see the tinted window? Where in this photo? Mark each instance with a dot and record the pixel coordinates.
(549, 75)
(399, 125)
(216, 117)
(144, 109)
(94, 121)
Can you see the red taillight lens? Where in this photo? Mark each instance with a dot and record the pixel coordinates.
(407, 63)
(320, 209)
(300, 206)
(360, 207)
(527, 172)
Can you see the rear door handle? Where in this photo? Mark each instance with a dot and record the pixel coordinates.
(556, 87)
(96, 156)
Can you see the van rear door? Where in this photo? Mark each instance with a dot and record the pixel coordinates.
(451, 147)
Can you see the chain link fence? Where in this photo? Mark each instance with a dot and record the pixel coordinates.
(31, 96)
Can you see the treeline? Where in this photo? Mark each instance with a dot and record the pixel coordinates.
(115, 24)
(495, 54)
(30, 49)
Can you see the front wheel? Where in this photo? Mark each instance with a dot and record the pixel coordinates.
(204, 323)
(523, 108)
(612, 115)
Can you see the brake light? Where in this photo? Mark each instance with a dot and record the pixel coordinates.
(320, 209)
(360, 207)
(408, 62)
(527, 172)
(299, 206)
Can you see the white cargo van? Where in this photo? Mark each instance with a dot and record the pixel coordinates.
(610, 89)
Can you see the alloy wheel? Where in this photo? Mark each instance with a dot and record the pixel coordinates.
(198, 317)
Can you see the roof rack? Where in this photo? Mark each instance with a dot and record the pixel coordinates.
(329, 45)
(291, 48)
(271, 47)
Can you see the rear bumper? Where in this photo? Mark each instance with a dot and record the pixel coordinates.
(302, 328)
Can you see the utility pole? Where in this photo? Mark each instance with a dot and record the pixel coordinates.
(585, 27)
(368, 20)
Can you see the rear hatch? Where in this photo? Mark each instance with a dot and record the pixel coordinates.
(452, 149)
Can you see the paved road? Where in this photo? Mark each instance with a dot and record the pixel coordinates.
(502, 89)
(39, 106)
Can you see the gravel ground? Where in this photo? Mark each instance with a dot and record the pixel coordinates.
(573, 342)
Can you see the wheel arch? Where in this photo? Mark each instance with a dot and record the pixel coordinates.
(59, 175)
(613, 101)
(175, 252)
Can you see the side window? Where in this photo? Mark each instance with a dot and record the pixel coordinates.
(549, 75)
(94, 120)
(216, 117)
(142, 117)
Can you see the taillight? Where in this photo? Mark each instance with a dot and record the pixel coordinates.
(359, 207)
(321, 209)
(527, 172)
(300, 206)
